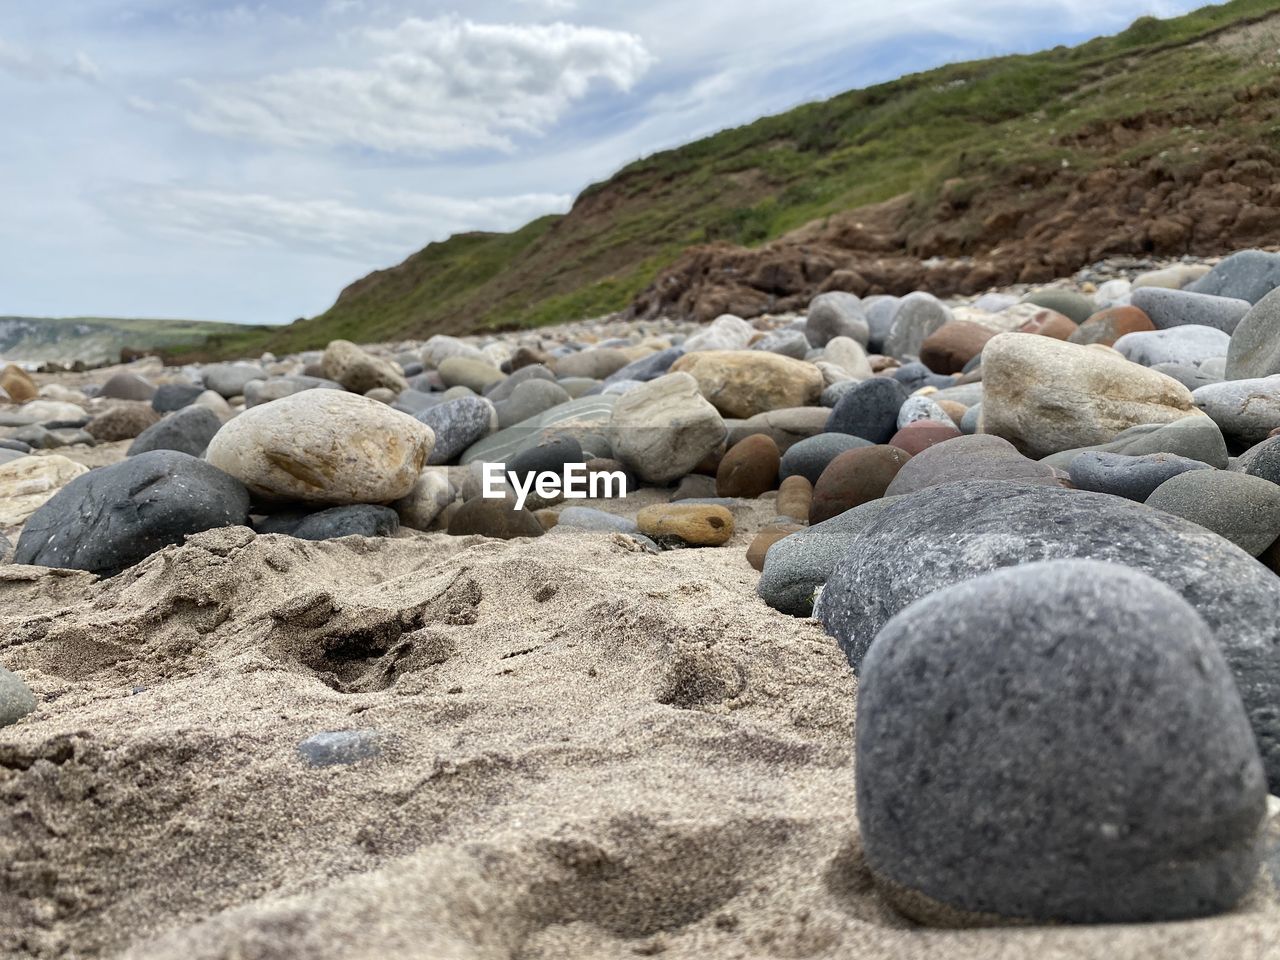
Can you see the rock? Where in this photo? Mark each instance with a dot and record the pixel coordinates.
(1261, 460)
(956, 532)
(475, 375)
(663, 429)
(953, 345)
(27, 483)
(17, 383)
(215, 404)
(1175, 345)
(16, 698)
(694, 487)
(726, 332)
(122, 421)
(836, 314)
(1247, 275)
(1049, 323)
(189, 430)
(174, 396)
(111, 518)
(1241, 508)
(1174, 277)
(493, 517)
(686, 524)
(503, 389)
(916, 316)
(257, 392)
(766, 538)
(1190, 377)
(357, 520)
(1176, 308)
(127, 386)
(1045, 396)
(43, 411)
(431, 493)
(589, 518)
(228, 379)
(854, 478)
(849, 356)
(1134, 478)
(920, 435)
(1157, 799)
(916, 376)
(964, 458)
(1246, 411)
(785, 427)
(528, 400)
(795, 498)
(579, 386)
(920, 407)
(647, 368)
(457, 424)
(340, 747)
(787, 343)
(749, 468)
(746, 382)
(797, 566)
(1197, 438)
(809, 457)
(1254, 351)
(869, 410)
(595, 364)
(441, 347)
(1069, 303)
(325, 447)
(586, 419)
(1108, 326)
(360, 371)
(549, 455)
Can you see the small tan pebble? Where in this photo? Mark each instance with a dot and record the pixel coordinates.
(766, 538)
(795, 497)
(695, 524)
(547, 518)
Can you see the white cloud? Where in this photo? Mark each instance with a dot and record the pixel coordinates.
(37, 65)
(434, 86)
(325, 226)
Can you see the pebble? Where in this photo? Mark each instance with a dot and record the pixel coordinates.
(1132, 477)
(746, 382)
(340, 747)
(27, 483)
(686, 524)
(47, 412)
(114, 517)
(528, 400)
(758, 552)
(593, 364)
(17, 383)
(1081, 828)
(1075, 306)
(122, 421)
(228, 379)
(1176, 308)
(473, 374)
(693, 487)
(869, 410)
(965, 458)
(785, 427)
(584, 417)
(1247, 275)
(665, 428)
(1190, 344)
(1197, 438)
(795, 498)
(1255, 345)
(920, 435)
(1241, 508)
(920, 407)
(853, 478)
(189, 430)
(174, 396)
(324, 447)
(787, 343)
(810, 456)
(849, 356)
(953, 345)
(647, 368)
(441, 347)
(726, 332)
(493, 517)
(257, 392)
(749, 468)
(1049, 323)
(16, 698)
(1108, 326)
(357, 520)
(947, 534)
(360, 371)
(1246, 411)
(589, 518)
(127, 386)
(914, 318)
(457, 424)
(431, 494)
(1046, 396)
(836, 314)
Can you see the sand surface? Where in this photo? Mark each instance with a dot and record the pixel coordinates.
(587, 751)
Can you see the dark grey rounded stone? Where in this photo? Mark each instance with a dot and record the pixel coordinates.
(111, 518)
(20, 446)
(356, 520)
(1176, 308)
(836, 314)
(913, 376)
(809, 457)
(1248, 275)
(549, 454)
(502, 389)
(1241, 508)
(174, 396)
(457, 425)
(956, 532)
(1134, 478)
(189, 431)
(869, 410)
(880, 311)
(16, 698)
(646, 368)
(127, 386)
(786, 343)
(1061, 741)
(340, 747)
(1261, 460)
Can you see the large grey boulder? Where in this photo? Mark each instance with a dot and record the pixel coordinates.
(948, 534)
(1248, 275)
(1056, 742)
(1175, 308)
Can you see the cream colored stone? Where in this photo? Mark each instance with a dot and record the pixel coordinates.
(26, 483)
(324, 446)
(742, 383)
(359, 370)
(662, 429)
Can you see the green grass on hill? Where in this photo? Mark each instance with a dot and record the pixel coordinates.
(968, 125)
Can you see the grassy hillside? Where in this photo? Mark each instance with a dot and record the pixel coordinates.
(950, 134)
(95, 340)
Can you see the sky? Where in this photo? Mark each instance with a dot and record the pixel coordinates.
(244, 161)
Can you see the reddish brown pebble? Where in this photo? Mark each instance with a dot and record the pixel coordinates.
(854, 478)
(766, 538)
(749, 469)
